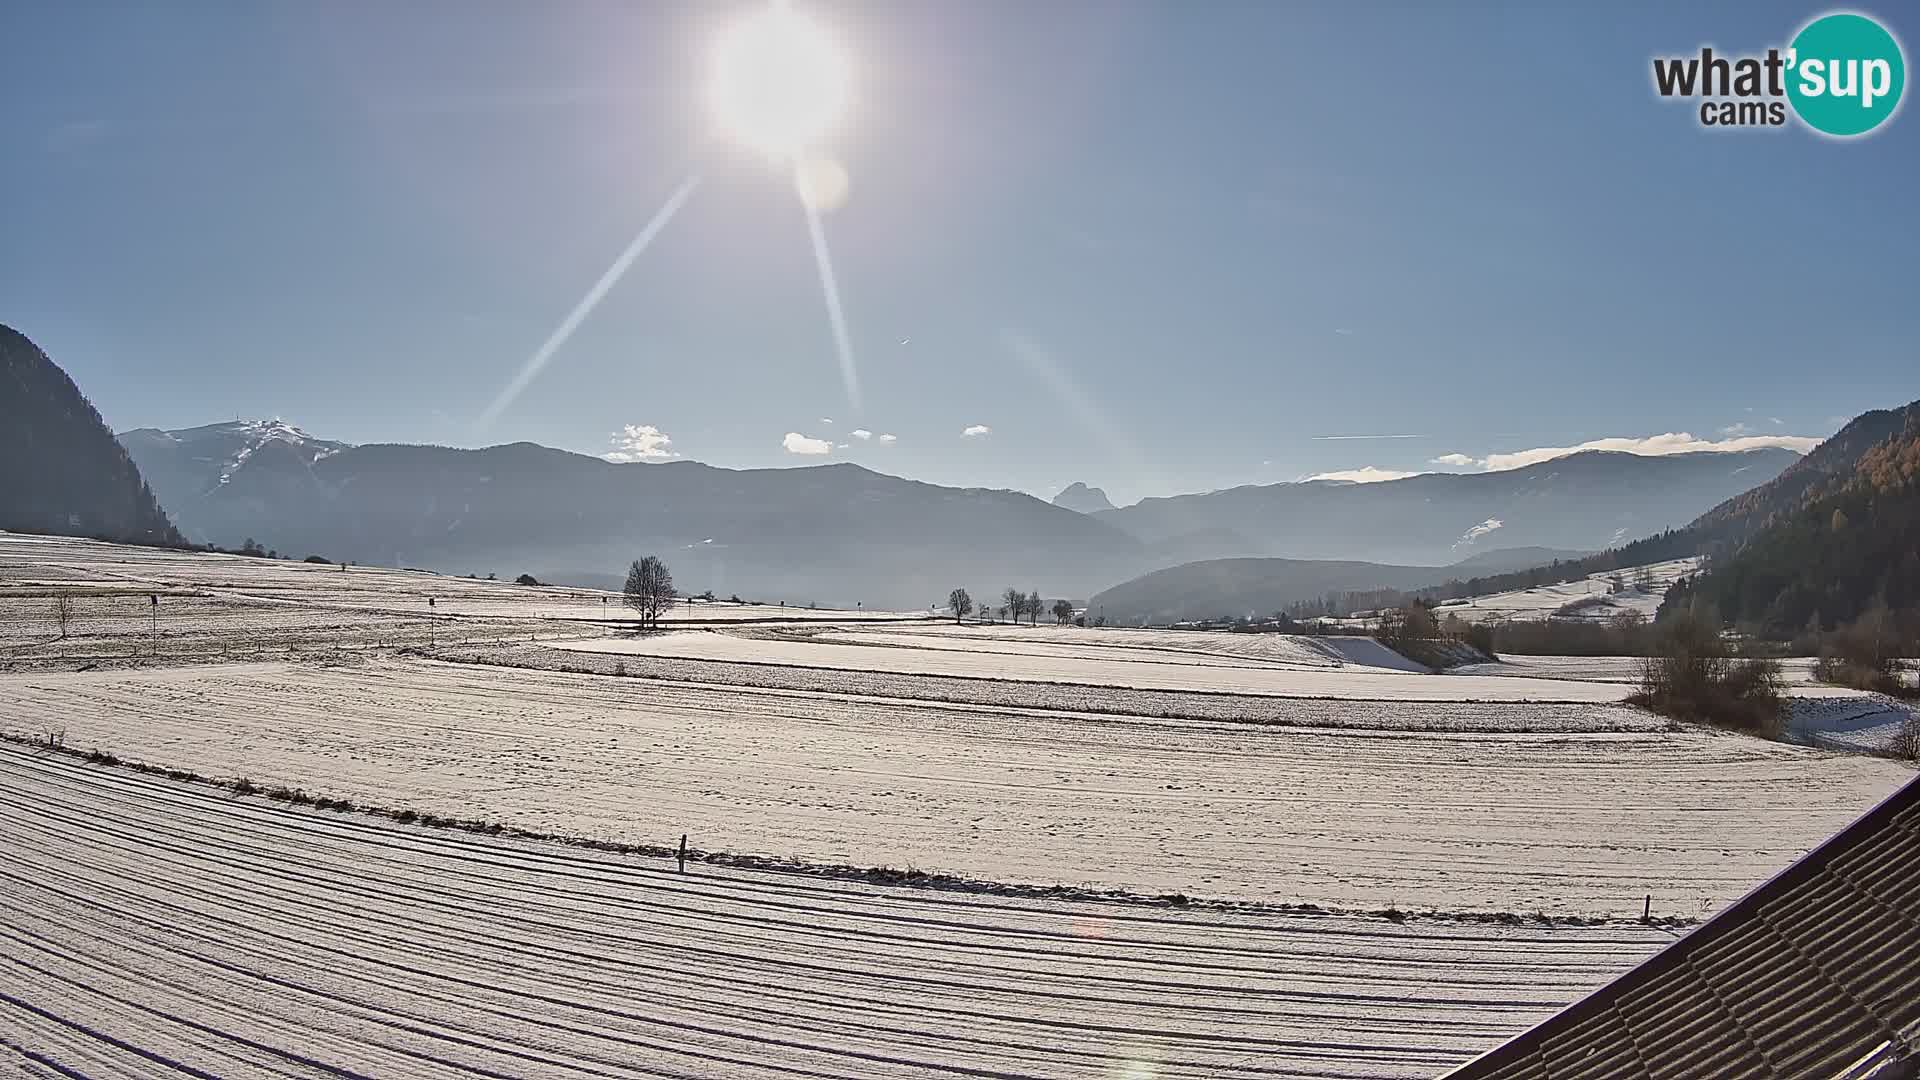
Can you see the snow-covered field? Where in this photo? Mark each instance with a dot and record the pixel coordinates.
(155, 928)
(1565, 822)
(149, 925)
(1166, 671)
(33, 567)
(1597, 589)
(1135, 646)
(1797, 670)
(1845, 720)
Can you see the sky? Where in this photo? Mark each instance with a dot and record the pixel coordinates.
(1154, 248)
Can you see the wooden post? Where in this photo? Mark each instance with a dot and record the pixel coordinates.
(1646, 914)
(683, 853)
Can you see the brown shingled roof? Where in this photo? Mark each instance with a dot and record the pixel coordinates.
(1816, 973)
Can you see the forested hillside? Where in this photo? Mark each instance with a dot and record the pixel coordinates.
(63, 471)
(1854, 545)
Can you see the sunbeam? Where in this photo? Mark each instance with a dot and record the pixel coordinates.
(1080, 405)
(589, 302)
(848, 375)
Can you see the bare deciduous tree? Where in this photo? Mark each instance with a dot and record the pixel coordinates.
(63, 612)
(1015, 604)
(1062, 611)
(649, 590)
(960, 603)
(1034, 606)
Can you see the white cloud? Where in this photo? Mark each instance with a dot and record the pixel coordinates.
(1673, 442)
(861, 433)
(1478, 531)
(796, 443)
(640, 442)
(976, 431)
(826, 420)
(889, 437)
(1350, 438)
(1364, 475)
(1737, 429)
(1458, 461)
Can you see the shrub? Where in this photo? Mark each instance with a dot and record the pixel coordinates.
(1580, 607)
(1691, 677)
(1480, 636)
(1625, 634)
(1864, 654)
(526, 579)
(320, 559)
(1906, 741)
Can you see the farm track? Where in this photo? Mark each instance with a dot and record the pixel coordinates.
(1207, 705)
(1103, 668)
(156, 928)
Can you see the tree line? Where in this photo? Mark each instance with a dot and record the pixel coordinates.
(1014, 606)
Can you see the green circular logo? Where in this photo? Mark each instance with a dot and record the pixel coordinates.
(1845, 74)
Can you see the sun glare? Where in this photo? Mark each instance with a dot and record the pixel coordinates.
(780, 82)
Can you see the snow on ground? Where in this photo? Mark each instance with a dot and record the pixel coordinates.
(147, 925)
(1205, 648)
(1548, 599)
(1849, 720)
(1171, 673)
(1797, 670)
(1564, 823)
(1442, 716)
(150, 926)
(29, 563)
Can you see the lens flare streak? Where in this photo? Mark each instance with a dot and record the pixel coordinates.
(835, 315)
(590, 301)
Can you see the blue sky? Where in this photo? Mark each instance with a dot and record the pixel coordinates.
(1155, 248)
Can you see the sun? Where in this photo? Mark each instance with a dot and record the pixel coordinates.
(780, 82)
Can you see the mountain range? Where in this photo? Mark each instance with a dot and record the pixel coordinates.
(1778, 554)
(837, 535)
(832, 534)
(843, 535)
(1589, 500)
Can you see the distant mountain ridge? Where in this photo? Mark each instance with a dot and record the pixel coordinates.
(1082, 499)
(843, 535)
(834, 534)
(218, 478)
(1586, 501)
(1765, 565)
(60, 469)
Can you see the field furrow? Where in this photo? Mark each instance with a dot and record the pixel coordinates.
(161, 928)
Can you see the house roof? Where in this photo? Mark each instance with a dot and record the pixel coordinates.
(1816, 973)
